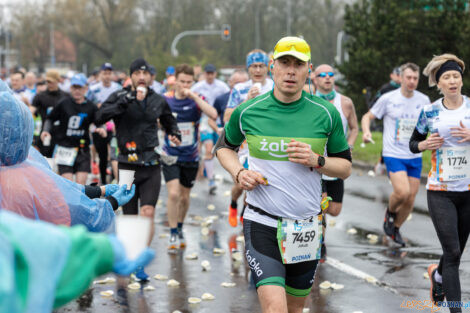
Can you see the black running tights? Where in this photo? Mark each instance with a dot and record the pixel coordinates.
(450, 214)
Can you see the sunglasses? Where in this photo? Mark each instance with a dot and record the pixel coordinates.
(323, 74)
(284, 46)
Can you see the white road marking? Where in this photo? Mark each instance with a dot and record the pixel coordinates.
(345, 268)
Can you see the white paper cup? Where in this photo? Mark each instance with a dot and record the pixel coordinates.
(47, 141)
(133, 231)
(126, 177)
(142, 90)
(51, 162)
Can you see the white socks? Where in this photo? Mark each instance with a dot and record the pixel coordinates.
(438, 277)
(209, 166)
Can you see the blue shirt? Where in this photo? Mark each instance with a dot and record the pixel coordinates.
(220, 104)
(188, 115)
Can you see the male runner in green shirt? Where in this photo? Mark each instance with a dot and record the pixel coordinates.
(293, 138)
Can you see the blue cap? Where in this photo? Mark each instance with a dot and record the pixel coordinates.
(152, 70)
(106, 66)
(78, 80)
(210, 68)
(170, 70)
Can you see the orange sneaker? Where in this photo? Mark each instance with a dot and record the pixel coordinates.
(232, 216)
(436, 290)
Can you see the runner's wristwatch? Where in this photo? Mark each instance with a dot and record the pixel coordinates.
(320, 161)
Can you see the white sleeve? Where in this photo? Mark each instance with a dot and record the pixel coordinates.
(380, 107)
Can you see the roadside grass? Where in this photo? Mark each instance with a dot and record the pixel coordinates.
(370, 154)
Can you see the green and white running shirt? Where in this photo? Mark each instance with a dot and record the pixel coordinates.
(293, 190)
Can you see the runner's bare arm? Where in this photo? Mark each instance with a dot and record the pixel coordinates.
(205, 107)
(227, 114)
(213, 124)
(246, 179)
(365, 123)
(352, 121)
(336, 167)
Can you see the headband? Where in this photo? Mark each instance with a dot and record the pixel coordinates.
(256, 57)
(448, 66)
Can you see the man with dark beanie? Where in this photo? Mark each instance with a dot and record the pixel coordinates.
(136, 110)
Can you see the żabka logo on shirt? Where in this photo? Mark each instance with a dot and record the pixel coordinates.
(275, 148)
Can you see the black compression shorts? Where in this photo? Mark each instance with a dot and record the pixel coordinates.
(82, 164)
(264, 259)
(186, 172)
(334, 189)
(147, 180)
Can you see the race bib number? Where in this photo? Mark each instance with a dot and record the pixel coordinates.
(404, 130)
(300, 241)
(65, 156)
(453, 163)
(187, 134)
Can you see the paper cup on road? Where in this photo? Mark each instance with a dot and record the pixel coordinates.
(126, 177)
(134, 232)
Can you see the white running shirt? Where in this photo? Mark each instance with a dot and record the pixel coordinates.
(400, 115)
(210, 93)
(434, 118)
(101, 92)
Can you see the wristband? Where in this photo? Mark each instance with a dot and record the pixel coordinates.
(238, 174)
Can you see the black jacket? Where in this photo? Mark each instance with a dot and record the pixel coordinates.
(136, 124)
(45, 101)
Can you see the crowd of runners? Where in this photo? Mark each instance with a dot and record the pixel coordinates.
(283, 132)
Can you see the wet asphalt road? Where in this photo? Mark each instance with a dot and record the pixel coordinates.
(377, 276)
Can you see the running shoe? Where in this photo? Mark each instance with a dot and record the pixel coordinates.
(182, 240)
(141, 275)
(173, 242)
(436, 291)
(212, 187)
(388, 222)
(241, 214)
(397, 237)
(232, 216)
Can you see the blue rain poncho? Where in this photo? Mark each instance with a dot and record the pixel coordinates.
(29, 187)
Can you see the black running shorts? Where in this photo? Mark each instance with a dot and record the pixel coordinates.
(82, 164)
(334, 189)
(147, 180)
(186, 172)
(264, 259)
